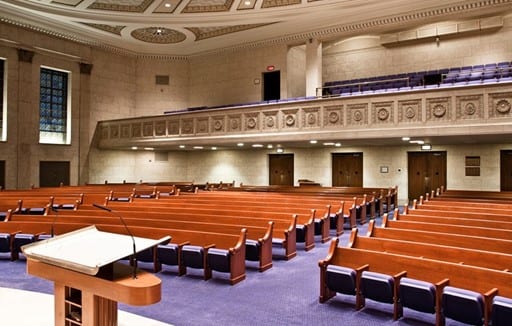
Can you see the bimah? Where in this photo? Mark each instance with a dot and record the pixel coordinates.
(88, 278)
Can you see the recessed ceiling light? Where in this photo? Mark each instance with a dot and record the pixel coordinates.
(280, 150)
(148, 148)
(406, 138)
(182, 146)
(329, 144)
(135, 148)
(167, 5)
(337, 145)
(247, 3)
(257, 145)
(240, 144)
(313, 142)
(214, 148)
(270, 146)
(198, 147)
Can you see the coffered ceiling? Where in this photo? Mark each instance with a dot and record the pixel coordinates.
(189, 27)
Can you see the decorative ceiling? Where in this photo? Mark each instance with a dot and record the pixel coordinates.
(189, 27)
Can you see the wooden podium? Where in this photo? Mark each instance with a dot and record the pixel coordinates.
(88, 280)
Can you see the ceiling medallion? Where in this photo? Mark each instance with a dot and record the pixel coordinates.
(159, 35)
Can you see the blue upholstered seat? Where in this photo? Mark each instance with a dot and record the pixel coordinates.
(44, 237)
(5, 242)
(301, 232)
(252, 250)
(341, 279)
(192, 256)
(21, 239)
(168, 254)
(377, 286)
(501, 311)
(145, 256)
(219, 260)
(463, 305)
(418, 295)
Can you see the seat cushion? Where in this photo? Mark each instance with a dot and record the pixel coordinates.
(377, 286)
(463, 305)
(318, 226)
(301, 233)
(145, 255)
(192, 256)
(341, 279)
(252, 250)
(5, 242)
(418, 295)
(168, 254)
(219, 260)
(21, 239)
(501, 311)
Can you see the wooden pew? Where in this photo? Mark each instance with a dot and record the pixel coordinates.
(446, 239)
(481, 258)
(449, 228)
(462, 220)
(258, 233)
(235, 244)
(421, 211)
(485, 281)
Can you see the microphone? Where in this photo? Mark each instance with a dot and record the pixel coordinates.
(134, 261)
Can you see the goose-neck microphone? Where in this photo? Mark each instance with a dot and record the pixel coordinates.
(134, 260)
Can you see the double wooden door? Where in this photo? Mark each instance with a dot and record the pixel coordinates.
(347, 169)
(506, 170)
(427, 172)
(53, 173)
(281, 169)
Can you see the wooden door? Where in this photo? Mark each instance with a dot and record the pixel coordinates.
(506, 170)
(427, 172)
(347, 169)
(2, 174)
(53, 173)
(281, 169)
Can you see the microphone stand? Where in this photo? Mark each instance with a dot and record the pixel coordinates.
(134, 260)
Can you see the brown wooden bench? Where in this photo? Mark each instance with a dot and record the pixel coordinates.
(466, 256)
(422, 211)
(485, 281)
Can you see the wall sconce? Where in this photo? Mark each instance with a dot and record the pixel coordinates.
(426, 147)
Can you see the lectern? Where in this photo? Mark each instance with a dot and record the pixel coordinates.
(88, 279)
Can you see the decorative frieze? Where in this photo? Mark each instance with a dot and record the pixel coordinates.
(469, 107)
(383, 112)
(333, 115)
(218, 124)
(125, 131)
(409, 111)
(290, 119)
(235, 123)
(270, 120)
(187, 126)
(500, 105)
(136, 130)
(252, 122)
(311, 117)
(114, 131)
(202, 125)
(438, 109)
(160, 129)
(357, 114)
(147, 129)
(173, 127)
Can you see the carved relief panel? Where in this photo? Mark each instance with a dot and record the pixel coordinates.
(439, 109)
(383, 112)
(333, 115)
(252, 121)
(136, 130)
(187, 126)
(500, 105)
(409, 111)
(311, 117)
(235, 123)
(173, 127)
(125, 131)
(147, 130)
(104, 132)
(357, 114)
(290, 119)
(469, 107)
(270, 120)
(202, 125)
(218, 124)
(160, 128)
(114, 131)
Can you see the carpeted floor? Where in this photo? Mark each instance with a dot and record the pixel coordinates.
(287, 294)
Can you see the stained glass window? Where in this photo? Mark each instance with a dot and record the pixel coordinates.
(53, 101)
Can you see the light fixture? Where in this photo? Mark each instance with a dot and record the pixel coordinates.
(240, 144)
(135, 148)
(167, 5)
(406, 138)
(426, 147)
(313, 141)
(257, 145)
(247, 3)
(269, 146)
(419, 142)
(149, 148)
(198, 147)
(329, 144)
(337, 144)
(214, 148)
(182, 146)
(280, 150)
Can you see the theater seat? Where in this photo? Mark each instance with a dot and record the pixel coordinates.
(170, 255)
(463, 305)
(418, 295)
(380, 287)
(219, 260)
(149, 256)
(21, 239)
(252, 250)
(194, 257)
(341, 279)
(5, 243)
(501, 311)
